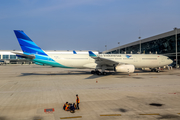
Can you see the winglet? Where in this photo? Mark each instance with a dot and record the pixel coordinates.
(74, 52)
(91, 54)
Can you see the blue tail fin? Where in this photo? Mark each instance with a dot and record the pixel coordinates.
(27, 45)
(74, 52)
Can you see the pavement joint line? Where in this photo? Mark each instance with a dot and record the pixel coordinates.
(71, 117)
(111, 115)
(151, 114)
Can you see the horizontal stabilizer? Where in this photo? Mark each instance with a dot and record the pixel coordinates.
(24, 55)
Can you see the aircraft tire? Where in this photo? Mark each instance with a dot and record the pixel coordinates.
(98, 73)
(104, 73)
(92, 72)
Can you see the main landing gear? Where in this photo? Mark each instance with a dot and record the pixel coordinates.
(155, 70)
(97, 72)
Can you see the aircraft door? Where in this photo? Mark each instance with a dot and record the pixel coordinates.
(135, 59)
(162, 59)
(137, 62)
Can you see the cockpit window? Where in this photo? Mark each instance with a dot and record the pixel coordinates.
(168, 58)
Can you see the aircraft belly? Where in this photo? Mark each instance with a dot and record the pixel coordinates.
(90, 65)
(72, 63)
(147, 64)
(79, 63)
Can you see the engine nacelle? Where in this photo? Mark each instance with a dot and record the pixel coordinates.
(125, 68)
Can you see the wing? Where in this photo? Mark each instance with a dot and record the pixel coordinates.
(103, 61)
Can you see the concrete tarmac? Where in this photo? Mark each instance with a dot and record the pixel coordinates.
(26, 90)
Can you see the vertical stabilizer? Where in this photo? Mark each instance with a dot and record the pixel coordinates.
(27, 45)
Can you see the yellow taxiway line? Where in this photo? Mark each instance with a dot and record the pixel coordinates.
(151, 114)
(71, 117)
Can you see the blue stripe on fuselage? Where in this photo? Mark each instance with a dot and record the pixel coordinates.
(48, 61)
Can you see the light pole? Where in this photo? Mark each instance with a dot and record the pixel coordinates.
(106, 47)
(175, 29)
(140, 45)
(119, 47)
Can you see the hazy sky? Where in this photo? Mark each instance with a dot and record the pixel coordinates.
(85, 24)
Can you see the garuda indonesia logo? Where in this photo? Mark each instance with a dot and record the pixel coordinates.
(128, 56)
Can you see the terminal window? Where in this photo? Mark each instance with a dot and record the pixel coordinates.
(5, 56)
(12, 56)
(20, 58)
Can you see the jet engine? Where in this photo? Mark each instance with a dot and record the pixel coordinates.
(125, 68)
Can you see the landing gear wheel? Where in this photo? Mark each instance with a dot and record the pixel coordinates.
(92, 72)
(153, 70)
(98, 73)
(104, 73)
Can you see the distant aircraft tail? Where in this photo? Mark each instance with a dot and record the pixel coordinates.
(74, 52)
(27, 45)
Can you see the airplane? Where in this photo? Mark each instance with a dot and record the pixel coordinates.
(99, 62)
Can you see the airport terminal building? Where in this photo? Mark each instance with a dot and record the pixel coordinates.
(164, 44)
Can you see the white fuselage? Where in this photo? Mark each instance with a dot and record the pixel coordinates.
(138, 60)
